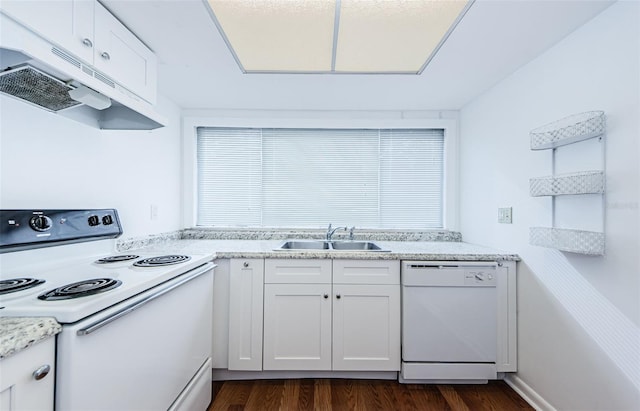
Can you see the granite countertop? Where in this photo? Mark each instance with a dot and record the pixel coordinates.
(399, 250)
(19, 333)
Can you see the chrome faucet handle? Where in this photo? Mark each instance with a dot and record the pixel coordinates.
(351, 233)
(331, 231)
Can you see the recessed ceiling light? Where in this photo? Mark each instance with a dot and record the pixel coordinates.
(335, 36)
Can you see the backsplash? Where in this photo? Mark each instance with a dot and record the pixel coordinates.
(200, 233)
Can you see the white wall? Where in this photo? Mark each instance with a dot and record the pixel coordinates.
(49, 161)
(579, 342)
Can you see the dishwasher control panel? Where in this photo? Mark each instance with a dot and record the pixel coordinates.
(431, 274)
(480, 277)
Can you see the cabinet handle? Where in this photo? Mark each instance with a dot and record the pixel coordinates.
(326, 296)
(105, 55)
(245, 264)
(41, 372)
(338, 296)
(87, 42)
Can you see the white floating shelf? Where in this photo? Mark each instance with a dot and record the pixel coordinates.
(574, 241)
(585, 182)
(569, 130)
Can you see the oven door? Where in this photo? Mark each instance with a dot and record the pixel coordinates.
(142, 353)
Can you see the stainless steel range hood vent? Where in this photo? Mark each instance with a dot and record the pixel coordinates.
(30, 84)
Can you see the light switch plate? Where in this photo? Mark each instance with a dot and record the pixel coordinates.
(504, 215)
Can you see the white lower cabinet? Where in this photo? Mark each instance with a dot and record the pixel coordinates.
(297, 327)
(334, 326)
(246, 281)
(366, 327)
(27, 378)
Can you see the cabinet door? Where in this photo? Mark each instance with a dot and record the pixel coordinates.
(366, 327)
(246, 281)
(122, 56)
(19, 389)
(297, 327)
(67, 23)
(293, 271)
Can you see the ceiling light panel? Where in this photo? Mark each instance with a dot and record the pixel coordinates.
(278, 35)
(395, 36)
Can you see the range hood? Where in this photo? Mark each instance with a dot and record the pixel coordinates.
(46, 76)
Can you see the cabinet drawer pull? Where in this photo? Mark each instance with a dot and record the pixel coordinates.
(326, 296)
(41, 372)
(105, 55)
(338, 296)
(245, 264)
(87, 42)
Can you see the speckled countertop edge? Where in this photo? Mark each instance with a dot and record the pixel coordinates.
(19, 333)
(398, 250)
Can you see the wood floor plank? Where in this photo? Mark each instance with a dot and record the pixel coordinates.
(453, 399)
(290, 395)
(363, 395)
(322, 395)
(428, 397)
(305, 395)
(518, 401)
(343, 395)
(231, 395)
(265, 395)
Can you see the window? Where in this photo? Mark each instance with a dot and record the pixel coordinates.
(307, 178)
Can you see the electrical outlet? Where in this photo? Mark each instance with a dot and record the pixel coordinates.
(154, 212)
(504, 215)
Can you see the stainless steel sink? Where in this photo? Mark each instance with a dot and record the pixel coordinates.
(304, 245)
(311, 245)
(355, 246)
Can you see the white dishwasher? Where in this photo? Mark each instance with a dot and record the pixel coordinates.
(449, 322)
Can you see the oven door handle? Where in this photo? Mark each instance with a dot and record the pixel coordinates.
(185, 278)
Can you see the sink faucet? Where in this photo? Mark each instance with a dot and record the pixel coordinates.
(331, 230)
(351, 233)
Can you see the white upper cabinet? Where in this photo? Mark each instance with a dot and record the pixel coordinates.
(119, 54)
(66, 23)
(86, 30)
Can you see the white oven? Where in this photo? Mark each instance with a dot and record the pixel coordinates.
(136, 327)
(142, 353)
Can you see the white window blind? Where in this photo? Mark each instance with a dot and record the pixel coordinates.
(303, 178)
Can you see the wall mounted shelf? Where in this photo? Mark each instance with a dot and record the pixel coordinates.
(569, 130)
(574, 241)
(586, 182)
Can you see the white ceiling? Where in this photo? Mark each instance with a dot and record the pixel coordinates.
(494, 39)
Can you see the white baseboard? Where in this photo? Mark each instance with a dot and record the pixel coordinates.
(527, 393)
(226, 375)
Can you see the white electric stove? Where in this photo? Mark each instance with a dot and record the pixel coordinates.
(150, 312)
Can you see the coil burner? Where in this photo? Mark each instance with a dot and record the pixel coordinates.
(80, 289)
(162, 260)
(116, 259)
(18, 284)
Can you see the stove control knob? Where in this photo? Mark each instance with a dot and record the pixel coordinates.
(40, 223)
(107, 220)
(93, 220)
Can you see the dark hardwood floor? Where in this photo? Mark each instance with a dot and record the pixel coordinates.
(366, 395)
